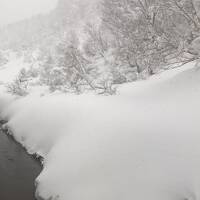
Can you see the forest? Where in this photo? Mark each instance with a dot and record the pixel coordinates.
(97, 46)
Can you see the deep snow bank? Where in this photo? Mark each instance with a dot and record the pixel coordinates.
(141, 144)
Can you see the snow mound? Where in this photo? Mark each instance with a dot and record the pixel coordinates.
(140, 144)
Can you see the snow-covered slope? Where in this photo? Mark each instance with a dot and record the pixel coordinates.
(9, 71)
(140, 144)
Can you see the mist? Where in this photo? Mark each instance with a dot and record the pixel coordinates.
(12, 11)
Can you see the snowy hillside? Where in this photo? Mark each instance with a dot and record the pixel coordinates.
(106, 93)
(140, 144)
(43, 30)
(10, 71)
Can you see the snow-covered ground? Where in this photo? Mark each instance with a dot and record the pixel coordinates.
(142, 143)
(9, 71)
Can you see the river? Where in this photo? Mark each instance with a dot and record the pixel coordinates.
(18, 170)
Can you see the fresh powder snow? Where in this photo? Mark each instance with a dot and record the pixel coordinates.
(142, 143)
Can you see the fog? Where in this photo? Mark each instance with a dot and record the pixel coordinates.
(12, 11)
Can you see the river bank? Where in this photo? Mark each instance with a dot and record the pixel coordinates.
(18, 170)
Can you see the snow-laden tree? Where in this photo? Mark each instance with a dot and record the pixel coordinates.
(150, 34)
(131, 39)
(19, 86)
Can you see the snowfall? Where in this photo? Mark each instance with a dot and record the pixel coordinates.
(142, 143)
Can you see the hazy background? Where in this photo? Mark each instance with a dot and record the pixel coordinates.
(14, 10)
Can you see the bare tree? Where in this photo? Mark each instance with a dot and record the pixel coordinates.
(151, 33)
(97, 43)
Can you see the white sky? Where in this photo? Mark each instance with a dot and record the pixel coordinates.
(14, 10)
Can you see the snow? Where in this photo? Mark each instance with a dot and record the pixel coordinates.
(142, 143)
(10, 71)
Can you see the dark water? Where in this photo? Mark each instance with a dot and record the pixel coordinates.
(18, 171)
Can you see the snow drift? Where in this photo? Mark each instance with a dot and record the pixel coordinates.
(140, 144)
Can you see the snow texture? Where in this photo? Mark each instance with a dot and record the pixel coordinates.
(142, 143)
